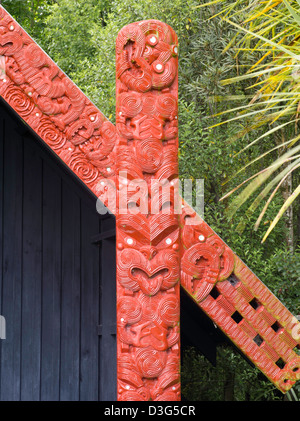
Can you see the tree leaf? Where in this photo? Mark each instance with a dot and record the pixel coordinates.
(291, 168)
(251, 75)
(292, 12)
(283, 209)
(257, 182)
(277, 46)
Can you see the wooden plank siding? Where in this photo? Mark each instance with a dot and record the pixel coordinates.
(57, 288)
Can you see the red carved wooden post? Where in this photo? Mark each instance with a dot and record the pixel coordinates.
(148, 260)
(148, 241)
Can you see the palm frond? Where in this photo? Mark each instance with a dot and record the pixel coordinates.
(269, 30)
(282, 211)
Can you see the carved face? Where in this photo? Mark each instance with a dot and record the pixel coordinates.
(148, 258)
(147, 57)
(206, 260)
(149, 321)
(152, 117)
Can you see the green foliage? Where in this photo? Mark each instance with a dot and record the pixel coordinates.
(232, 378)
(67, 35)
(270, 31)
(30, 14)
(285, 278)
(80, 36)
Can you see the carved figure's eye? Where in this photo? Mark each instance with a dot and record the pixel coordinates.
(158, 67)
(129, 241)
(175, 50)
(152, 40)
(148, 51)
(132, 237)
(167, 237)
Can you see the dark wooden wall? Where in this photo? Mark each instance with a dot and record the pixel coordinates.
(57, 288)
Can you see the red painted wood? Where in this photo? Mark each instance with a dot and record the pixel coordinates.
(54, 107)
(146, 147)
(239, 303)
(148, 259)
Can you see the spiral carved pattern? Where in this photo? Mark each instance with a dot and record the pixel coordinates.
(52, 105)
(145, 146)
(238, 302)
(148, 260)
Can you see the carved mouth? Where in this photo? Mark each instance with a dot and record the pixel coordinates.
(149, 284)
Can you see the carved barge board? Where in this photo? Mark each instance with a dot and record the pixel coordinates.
(238, 302)
(54, 107)
(217, 280)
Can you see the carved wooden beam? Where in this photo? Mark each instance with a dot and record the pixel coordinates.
(238, 302)
(148, 244)
(54, 107)
(148, 259)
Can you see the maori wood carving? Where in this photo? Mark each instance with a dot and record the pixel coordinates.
(52, 105)
(154, 249)
(239, 303)
(148, 259)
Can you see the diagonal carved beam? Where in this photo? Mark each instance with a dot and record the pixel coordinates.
(238, 302)
(54, 107)
(78, 133)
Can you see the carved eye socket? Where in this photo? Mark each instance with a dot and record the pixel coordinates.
(175, 50)
(129, 241)
(152, 40)
(132, 236)
(158, 67)
(148, 51)
(167, 237)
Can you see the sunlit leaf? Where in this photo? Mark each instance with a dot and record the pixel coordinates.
(266, 40)
(283, 209)
(291, 169)
(257, 182)
(292, 12)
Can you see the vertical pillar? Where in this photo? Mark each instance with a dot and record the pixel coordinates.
(148, 260)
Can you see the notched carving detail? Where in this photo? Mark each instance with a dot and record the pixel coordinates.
(148, 260)
(149, 246)
(238, 302)
(52, 105)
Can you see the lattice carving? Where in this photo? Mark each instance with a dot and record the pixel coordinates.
(239, 303)
(151, 248)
